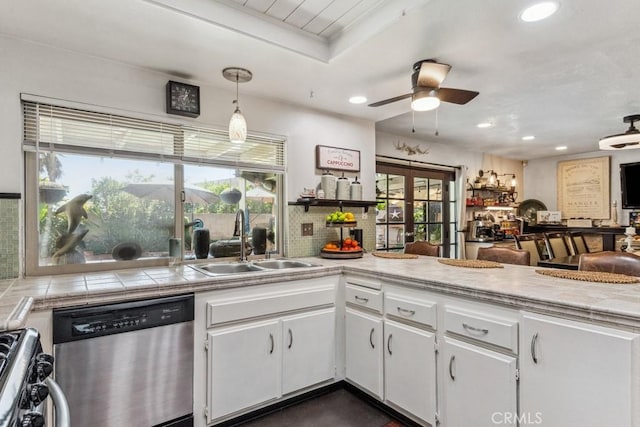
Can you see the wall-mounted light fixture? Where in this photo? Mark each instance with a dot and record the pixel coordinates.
(491, 180)
(513, 182)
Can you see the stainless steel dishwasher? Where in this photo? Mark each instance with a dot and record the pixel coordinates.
(127, 364)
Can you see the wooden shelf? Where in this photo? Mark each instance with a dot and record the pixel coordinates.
(338, 203)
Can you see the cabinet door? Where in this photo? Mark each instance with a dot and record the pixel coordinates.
(243, 367)
(480, 386)
(308, 349)
(364, 351)
(410, 369)
(576, 374)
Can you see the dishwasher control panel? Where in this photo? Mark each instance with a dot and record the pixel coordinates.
(86, 326)
(88, 322)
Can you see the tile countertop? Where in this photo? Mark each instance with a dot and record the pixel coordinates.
(518, 287)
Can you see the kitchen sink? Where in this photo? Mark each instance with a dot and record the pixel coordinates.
(276, 264)
(227, 268)
(218, 269)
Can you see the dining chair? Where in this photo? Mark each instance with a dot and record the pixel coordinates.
(577, 243)
(505, 255)
(422, 248)
(611, 262)
(531, 243)
(556, 244)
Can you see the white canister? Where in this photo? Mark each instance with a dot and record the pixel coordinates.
(328, 184)
(356, 190)
(343, 188)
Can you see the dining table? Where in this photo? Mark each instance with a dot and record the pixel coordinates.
(564, 262)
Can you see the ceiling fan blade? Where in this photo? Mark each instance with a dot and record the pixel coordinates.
(432, 74)
(456, 96)
(390, 100)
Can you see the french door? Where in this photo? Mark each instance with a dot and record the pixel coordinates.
(414, 204)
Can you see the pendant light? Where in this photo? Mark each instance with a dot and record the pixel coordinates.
(623, 141)
(237, 124)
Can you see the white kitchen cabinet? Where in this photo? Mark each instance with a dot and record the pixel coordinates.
(243, 366)
(410, 369)
(308, 349)
(479, 385)
(364, 360)
(578, 374)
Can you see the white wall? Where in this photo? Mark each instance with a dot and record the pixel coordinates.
(44, 71)
(541, 180)
(438, 153)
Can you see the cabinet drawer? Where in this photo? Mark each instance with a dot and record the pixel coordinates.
(230, 310)
(498, 331)
(423, 312)
(364, 297)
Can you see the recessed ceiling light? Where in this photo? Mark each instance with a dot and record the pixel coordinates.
(561, 147)
(358, 99)
(539, 11)
(484, 125)
(528, 138)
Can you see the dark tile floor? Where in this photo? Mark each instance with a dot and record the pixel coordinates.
(338, 408)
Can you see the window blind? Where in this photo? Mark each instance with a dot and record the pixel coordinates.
(54, 128)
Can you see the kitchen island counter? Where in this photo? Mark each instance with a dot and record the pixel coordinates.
(517, 287)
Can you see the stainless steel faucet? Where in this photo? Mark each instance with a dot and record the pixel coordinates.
(239, 232)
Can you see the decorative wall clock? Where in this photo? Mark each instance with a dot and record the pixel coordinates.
(183, 99)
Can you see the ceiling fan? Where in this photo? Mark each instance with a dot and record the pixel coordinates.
(426, 93)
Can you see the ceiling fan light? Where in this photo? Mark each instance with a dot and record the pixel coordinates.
(237, 127)
(623, 141)
(424, 101)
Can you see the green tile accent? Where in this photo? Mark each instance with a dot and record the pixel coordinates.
(9, 238)
(297, 245)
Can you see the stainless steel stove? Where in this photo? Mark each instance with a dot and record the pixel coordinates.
(25, 382)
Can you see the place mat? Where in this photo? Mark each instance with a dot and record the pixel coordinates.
(396, 255)
(590, 276)
(470, 263)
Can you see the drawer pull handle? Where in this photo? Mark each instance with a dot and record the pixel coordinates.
(406, 312)
(453, 377)
(371, 338)
(363, 300)
(534, 340)
(272, 343)
(290, 338)
(389, 344)
(470, 328)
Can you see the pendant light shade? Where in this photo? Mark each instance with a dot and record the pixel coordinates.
(237, 124)
(237, 127)
(623, 141)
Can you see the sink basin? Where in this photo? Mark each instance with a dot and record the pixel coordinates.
(276, 264)
(220, 269)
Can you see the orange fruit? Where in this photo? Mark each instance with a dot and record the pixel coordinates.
(347, 241)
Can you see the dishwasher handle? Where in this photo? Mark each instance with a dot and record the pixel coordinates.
(63, 417)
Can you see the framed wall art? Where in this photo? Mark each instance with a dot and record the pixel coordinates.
(336, 158)
(584, 188)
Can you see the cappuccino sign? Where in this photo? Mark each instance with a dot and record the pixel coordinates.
(335, 158)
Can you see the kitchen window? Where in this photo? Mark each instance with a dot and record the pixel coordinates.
(106, 191)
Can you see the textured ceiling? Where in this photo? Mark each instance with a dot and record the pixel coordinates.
(567, 80)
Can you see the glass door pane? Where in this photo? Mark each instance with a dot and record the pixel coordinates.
(414, 204)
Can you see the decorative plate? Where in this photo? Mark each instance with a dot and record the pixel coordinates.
(529, 208)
